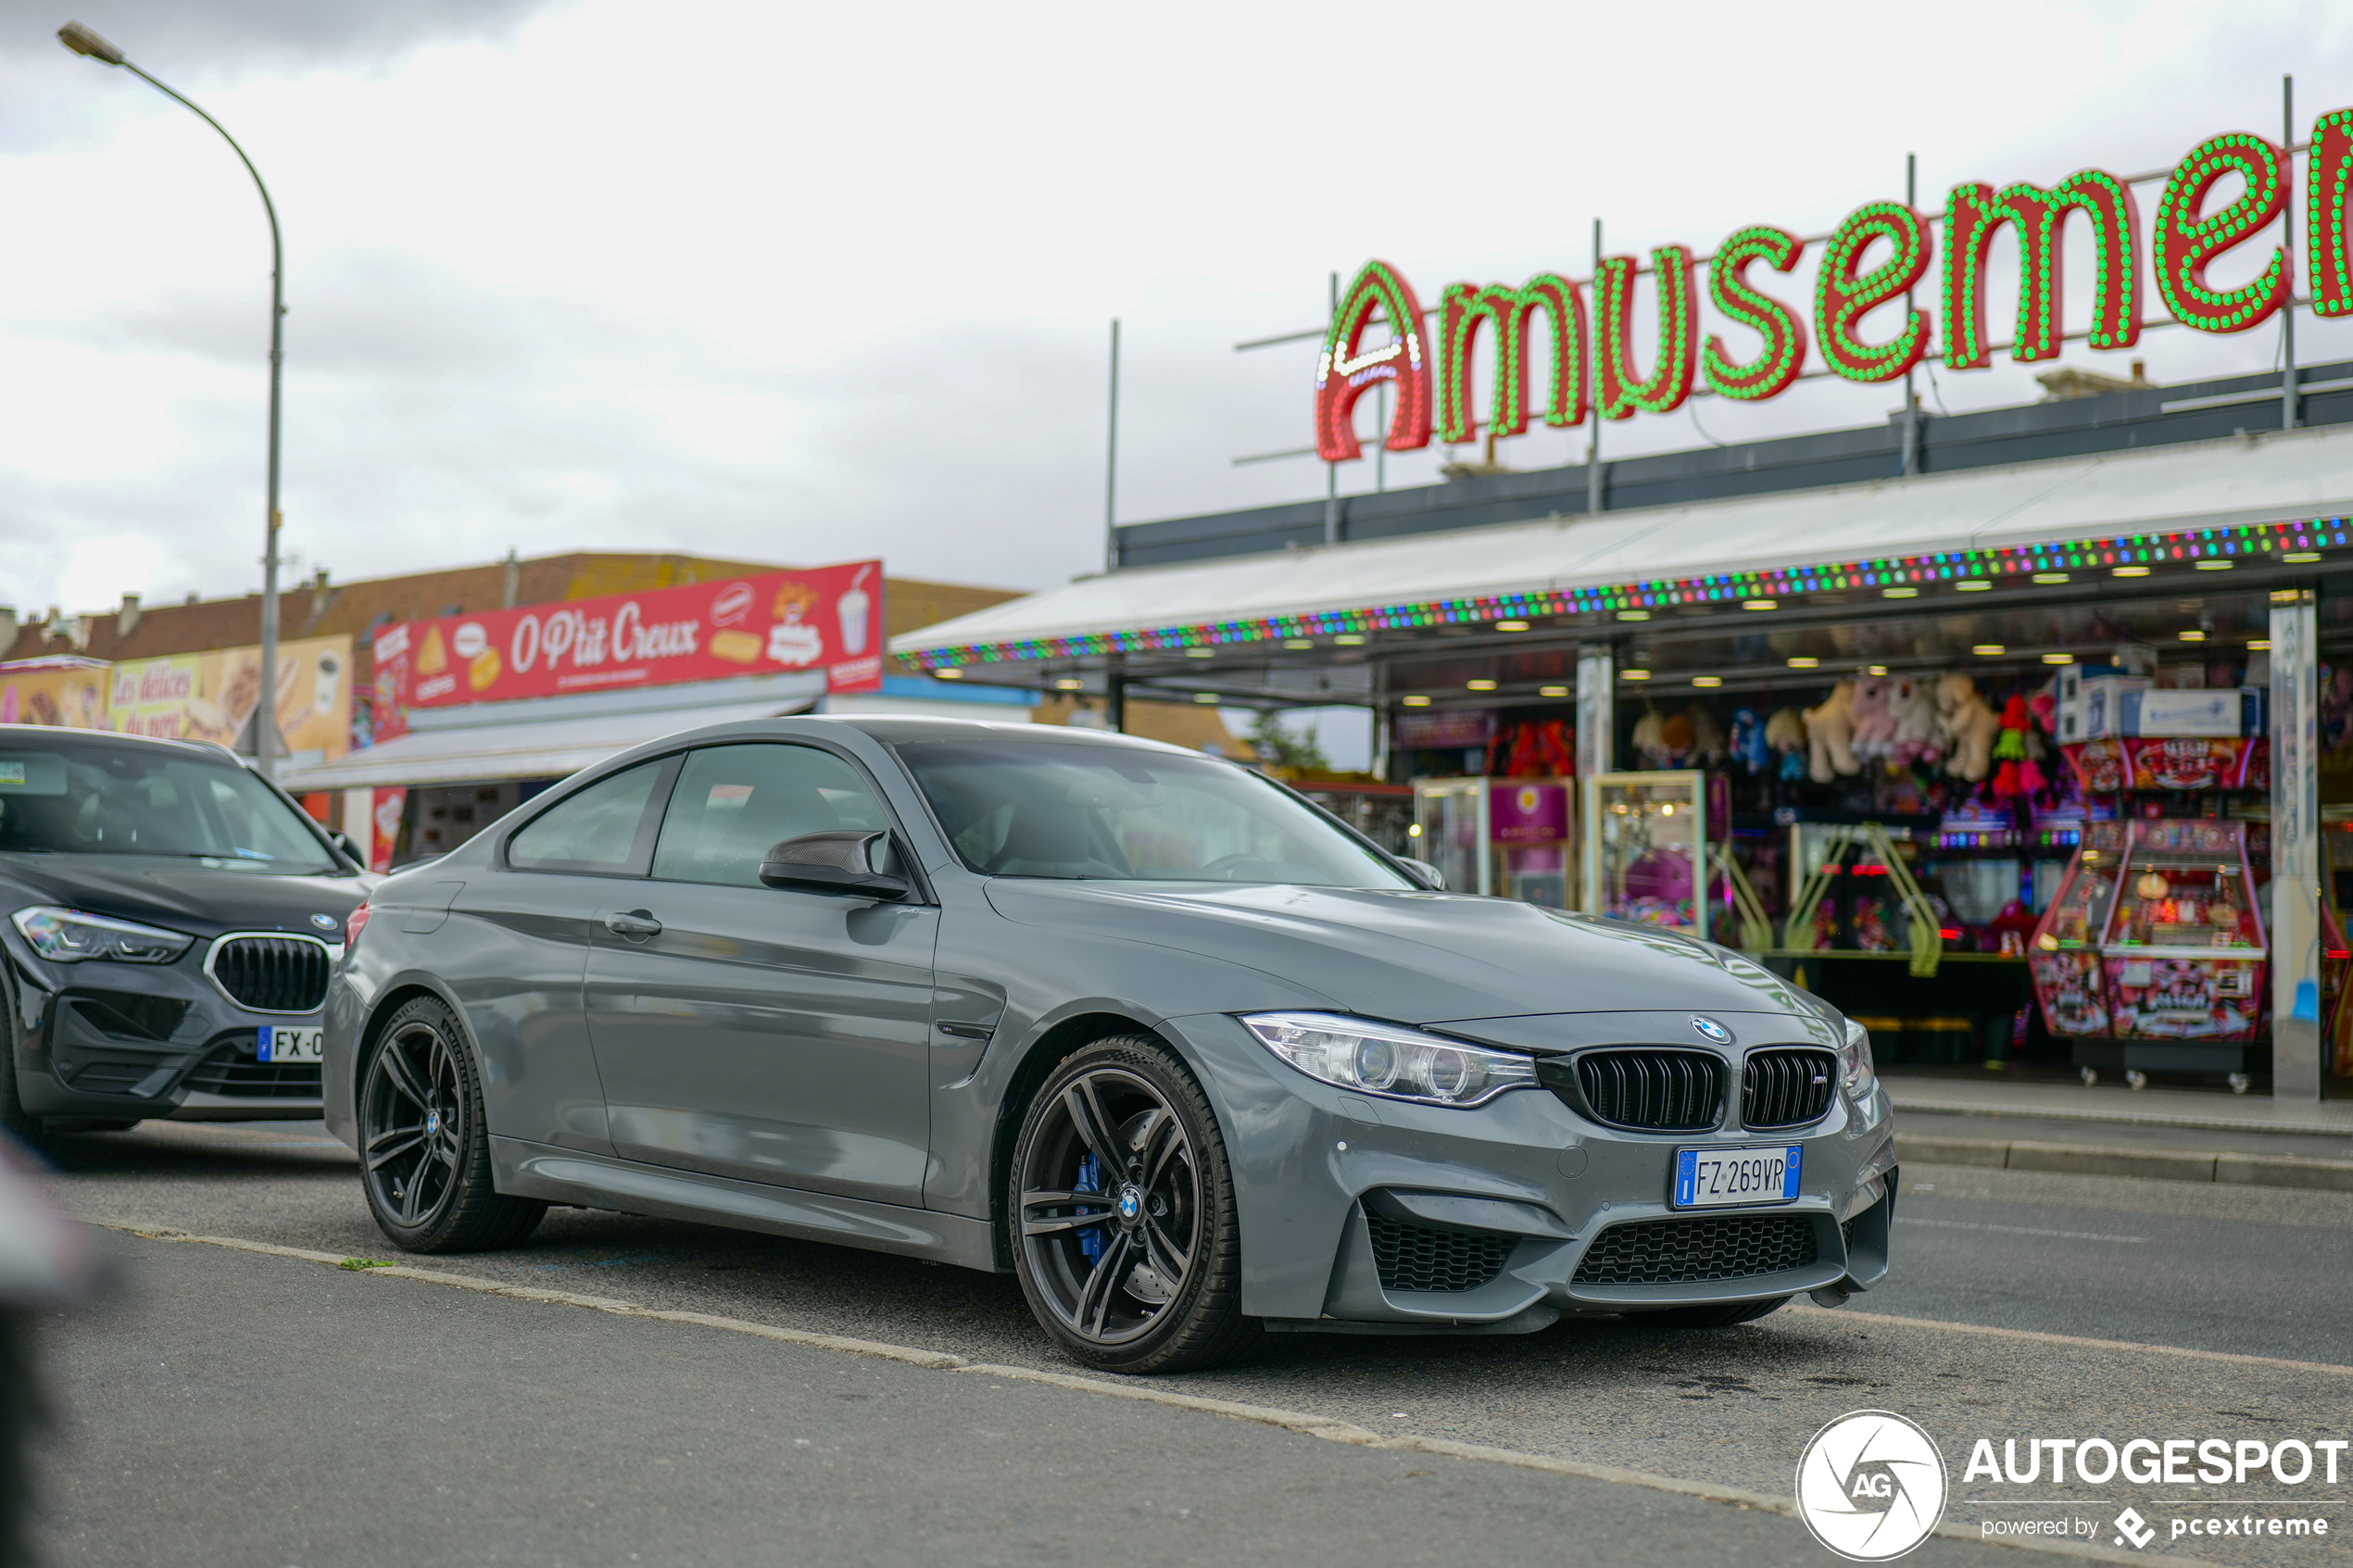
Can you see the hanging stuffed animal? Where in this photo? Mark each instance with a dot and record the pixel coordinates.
(1650, 742)
(1911, 707)
(1785, 732)
(1968, 726)
(1829, 734)
(1707, 734)
(1874, 726)
(2018, 773)
(1749, 747)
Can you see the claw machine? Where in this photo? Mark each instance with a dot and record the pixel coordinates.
(1513, 838)
(1646, 855)
(2183, 951)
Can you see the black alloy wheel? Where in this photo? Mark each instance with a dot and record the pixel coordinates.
(425, 1148)
(1128, 1247)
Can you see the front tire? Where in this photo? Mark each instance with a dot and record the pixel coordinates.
(1126, 1237)
(424, 1144)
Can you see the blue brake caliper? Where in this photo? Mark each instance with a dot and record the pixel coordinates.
(1090, 1238)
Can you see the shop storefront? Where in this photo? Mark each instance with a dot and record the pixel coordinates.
(2016, 762)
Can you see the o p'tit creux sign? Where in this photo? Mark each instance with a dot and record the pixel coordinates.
(828, 619)
(1878, 257)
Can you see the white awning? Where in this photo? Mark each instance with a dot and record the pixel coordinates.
(2272, 477)
(524, 740)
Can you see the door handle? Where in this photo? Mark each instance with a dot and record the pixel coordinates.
(634, 922)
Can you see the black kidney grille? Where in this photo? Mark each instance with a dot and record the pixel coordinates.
(1410, 1257)
(1787, 1089)
(272, 973)
(1659, 1091)
(1688, 1251)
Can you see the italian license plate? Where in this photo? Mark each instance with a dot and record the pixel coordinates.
(1722, 1178)
(282, 1044)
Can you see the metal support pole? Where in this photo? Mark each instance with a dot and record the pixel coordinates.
(1593, 493)
(1911, 460)
(2296, 1066)
(1111, 463)
(2290, 416)
(1114, 696)
(1596, 739)
(82, 40)
(1380, 453)
(1331, 471)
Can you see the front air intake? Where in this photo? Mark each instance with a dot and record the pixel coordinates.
(1648, 1090)
(1786, 1088)
(1696, 1251)
(1410, 1257)
(272, 974)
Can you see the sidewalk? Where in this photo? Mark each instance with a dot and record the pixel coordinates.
(2163, 1135)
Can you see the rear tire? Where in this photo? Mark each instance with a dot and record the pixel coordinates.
(1723, 1316)
(1125, 1234)
(424, 1144)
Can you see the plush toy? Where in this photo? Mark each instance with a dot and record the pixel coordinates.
(1650, 741)
(1829, 734)
(1749, 747)
(1676, 737)
(1911, 709)
(1874, 726)
(2019, 774)
(1785, 732)
(1967, 727)
(1707, 734)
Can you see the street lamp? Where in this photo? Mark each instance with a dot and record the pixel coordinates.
(82, 40)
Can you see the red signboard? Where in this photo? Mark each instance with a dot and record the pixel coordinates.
(828, 619)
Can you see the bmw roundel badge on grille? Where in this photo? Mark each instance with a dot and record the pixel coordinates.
(325, 923)
(1708, 1029)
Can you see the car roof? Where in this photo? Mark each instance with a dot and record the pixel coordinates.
(55, 735)
(892, 727)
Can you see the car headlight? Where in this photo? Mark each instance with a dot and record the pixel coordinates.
(68, 937)
(1383, 1059)
(1856, 1072)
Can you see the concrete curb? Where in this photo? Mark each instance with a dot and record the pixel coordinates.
(2225, 1167)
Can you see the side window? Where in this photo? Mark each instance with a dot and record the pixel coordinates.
(734, 802)
(601, 831)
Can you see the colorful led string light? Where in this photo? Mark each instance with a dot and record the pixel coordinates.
(1343, 374)
(2037, 217)
(1784, 352)
(1463, 310)
(2249, 542)
(1623, 389)
(2328, 185)
(2186, 240)
(1842, 296)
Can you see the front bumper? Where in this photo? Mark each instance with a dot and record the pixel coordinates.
(1518, 1211)
(115, 1042)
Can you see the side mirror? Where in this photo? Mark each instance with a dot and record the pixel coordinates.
(348, 844)
(1431, 877)
(838, 861)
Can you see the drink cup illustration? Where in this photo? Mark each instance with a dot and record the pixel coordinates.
(853, 608)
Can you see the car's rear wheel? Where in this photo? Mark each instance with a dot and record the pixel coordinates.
(1721, 1316)
(1127, 1238)
(424, 1145)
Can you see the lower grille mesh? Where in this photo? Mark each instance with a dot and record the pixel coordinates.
(1413, 1256)
(234, 1070)
(1688, 1251)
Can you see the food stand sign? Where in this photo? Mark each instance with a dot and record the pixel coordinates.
(1878, 257)
(828, 619)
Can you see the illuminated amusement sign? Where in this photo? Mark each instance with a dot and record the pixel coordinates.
(1878, 257)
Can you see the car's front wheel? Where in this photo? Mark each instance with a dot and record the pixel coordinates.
(1127, 1238)
(424, 1144)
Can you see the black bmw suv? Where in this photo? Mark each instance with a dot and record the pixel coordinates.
(171, 921)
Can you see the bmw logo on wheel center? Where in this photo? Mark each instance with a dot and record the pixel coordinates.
(1709, 1029)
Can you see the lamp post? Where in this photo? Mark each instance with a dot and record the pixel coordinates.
(82, 40)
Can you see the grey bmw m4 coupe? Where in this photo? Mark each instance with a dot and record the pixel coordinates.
(1188, 1056)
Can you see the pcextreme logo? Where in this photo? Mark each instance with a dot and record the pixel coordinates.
(1871, 1486)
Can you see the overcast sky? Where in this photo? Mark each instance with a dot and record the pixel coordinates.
(803, 283)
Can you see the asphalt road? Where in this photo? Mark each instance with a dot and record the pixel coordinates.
(2249, 1271)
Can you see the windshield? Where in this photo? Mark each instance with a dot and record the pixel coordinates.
(100, 799)
(1030, 809)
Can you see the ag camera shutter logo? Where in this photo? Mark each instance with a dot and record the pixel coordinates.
(1871, 1486)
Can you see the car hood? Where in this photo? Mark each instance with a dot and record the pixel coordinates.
(1416, 958)
(189, 898)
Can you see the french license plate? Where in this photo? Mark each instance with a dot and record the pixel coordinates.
(282, 1044)
(1721, 1178)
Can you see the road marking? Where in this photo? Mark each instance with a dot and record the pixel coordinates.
(2035, 1337)
(2016, 1230)
(1326, 1427)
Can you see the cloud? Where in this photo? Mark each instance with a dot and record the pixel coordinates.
(236, 37)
